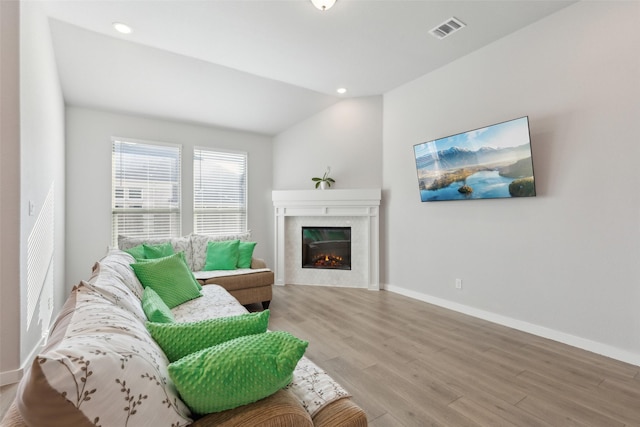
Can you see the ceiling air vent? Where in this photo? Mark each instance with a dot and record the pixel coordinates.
(447, 28)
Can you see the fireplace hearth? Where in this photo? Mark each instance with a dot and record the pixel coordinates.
(326, 247)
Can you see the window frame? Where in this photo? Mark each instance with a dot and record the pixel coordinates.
(209, 228)
(122, 202)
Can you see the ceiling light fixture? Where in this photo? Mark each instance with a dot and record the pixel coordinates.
(122, 28)
(341, 90)
(323, 4)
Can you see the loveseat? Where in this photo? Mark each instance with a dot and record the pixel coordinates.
(247, 285)
(101, 366)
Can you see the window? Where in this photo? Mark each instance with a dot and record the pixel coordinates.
(135, 193)
(220, 191)
(145, 189)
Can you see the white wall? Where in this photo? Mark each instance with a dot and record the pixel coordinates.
(89, 135)
(346, 136)
(9, 192)
(36, 169)
(562, 264)
(42, 163)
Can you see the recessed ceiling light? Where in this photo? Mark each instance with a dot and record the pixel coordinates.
(341, 90)
(323, 4)
(122, 28)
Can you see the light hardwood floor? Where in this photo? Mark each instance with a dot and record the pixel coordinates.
(408, 363)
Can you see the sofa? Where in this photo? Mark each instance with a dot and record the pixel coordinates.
(102, 367)
(247, 285)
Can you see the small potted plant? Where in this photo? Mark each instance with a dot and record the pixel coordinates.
(325, 181)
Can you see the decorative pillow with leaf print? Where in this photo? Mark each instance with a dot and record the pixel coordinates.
(179, 244)
(101, 367)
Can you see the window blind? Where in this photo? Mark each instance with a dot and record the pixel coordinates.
(146, 186)
(220, 191)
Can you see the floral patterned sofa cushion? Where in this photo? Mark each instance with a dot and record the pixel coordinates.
(194, 246)
(101, 367)
(179, 244)
(119, 263)
(123, 290)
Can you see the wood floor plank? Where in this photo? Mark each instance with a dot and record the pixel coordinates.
(407, 413)
(556, 367)
(561, 412)
(386, 420)
(472, 374)
(624, 392)
(479, 413)
(607, 366)
(431, 391)
(502, 409)
(409, 363)
(593, 398)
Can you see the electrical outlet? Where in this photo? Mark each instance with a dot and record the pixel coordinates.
(458, 283)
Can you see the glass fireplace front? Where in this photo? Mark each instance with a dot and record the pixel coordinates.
(326, 247)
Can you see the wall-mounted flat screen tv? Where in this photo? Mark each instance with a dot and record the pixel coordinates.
(488, 163)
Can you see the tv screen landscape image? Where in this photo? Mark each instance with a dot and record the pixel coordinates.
(488, 163)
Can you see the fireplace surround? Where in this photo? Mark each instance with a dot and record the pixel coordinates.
(357, 209)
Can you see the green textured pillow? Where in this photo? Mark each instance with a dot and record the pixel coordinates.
(245, 253)
(185, 263)
(222, 255)
(137, 252)
(169, 277)
(180, 339)
(155, 309)
(158, 251)
(237, 372)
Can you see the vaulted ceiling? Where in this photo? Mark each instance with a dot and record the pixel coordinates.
(261, 65)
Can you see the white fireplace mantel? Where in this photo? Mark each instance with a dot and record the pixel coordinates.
(334, 203)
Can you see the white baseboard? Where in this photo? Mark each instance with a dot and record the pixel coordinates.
(14, 376)
(541, 331)
(10, 377)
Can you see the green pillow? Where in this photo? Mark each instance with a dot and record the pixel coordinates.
(169, 277)
(180, 339)
(237, 372)
(222, 255)
(155, 309)
(137, 252)
(245, 253)
(158, 251)
(185, 263)
(145, 251)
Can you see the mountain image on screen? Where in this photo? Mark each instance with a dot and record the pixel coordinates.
(491, 162)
